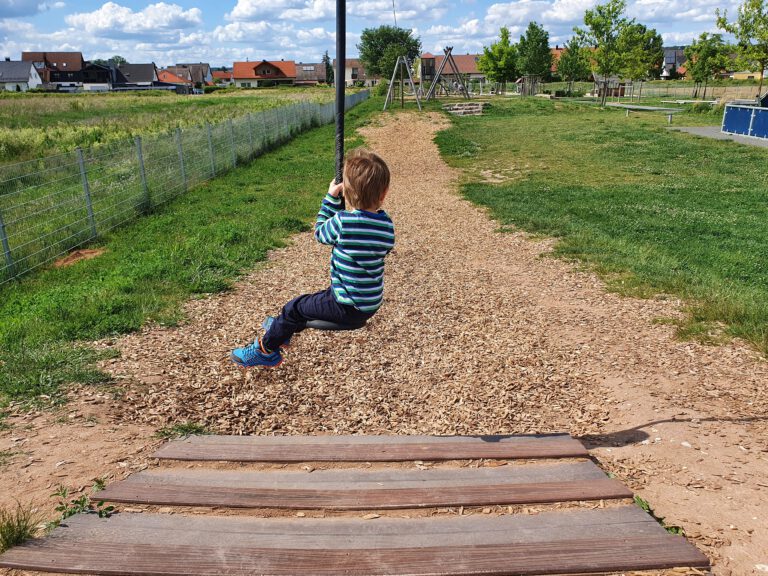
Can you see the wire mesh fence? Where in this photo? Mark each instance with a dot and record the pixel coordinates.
(52, 205)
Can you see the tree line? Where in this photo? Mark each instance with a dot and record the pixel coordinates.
(608, 45)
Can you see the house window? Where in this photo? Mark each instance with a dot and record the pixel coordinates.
(64, 64)
(245, 84)
(354, 73)
(308, 68)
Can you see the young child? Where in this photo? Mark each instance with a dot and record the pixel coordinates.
(361, 235)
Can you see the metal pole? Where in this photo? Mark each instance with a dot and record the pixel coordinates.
(181, 159)
(6, 246)
(232, 142)
(143, 174)
(341, 61)
(86, 191)
(210, 150)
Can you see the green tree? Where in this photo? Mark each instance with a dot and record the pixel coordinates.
(706, 56)
(328, 68)
(574, 63)
(533, 53)
(116, 59)
(499, 61)
(380, 47)
(603, 26)
(642, 50)
(751, 32)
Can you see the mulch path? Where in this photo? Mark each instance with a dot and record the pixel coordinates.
(480, 333)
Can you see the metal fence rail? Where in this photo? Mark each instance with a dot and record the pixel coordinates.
(51, 205)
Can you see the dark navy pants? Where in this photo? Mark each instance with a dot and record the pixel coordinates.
(319, 306)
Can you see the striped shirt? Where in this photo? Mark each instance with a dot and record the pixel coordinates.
(360, 241)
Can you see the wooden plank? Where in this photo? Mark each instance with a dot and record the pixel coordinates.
(359, 490)
(369, 448)
(568, 542)
(344, 533)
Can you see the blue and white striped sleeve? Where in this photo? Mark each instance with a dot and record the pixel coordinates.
(327, 226)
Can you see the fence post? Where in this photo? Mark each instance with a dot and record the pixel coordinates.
(210, 150)
(232, 142)
(86, 191)
(6, 246)
(181, 159)
(267, 140)
(143, 174)
(250, 135)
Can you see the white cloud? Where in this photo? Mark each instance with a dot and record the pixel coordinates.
(114, 20)
(253, 10)
(313, 10)
(567, 10)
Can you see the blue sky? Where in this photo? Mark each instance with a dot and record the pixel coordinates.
(222, 31)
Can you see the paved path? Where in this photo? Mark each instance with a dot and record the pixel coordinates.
(714, 132)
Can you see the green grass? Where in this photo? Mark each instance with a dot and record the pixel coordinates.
(197, 244)
(35, 125)
(17, 525)
(182, 429)
(652, 210)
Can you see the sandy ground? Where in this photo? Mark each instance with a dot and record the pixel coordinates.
(481, 332)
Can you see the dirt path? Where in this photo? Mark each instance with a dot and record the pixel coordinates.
(479, 334)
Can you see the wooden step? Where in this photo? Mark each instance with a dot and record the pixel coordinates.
(562, 542)
(369, 448)
(367, 490)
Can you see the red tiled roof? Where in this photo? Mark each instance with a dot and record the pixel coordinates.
(170, 77)
(247, 70)
(222, 75)
(467, 63)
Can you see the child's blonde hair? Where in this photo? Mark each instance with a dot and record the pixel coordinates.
(366, 178)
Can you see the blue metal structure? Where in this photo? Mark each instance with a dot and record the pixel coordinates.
(746, 120)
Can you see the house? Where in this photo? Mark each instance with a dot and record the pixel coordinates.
(60, 69)
(170, 78)
(183, 84)
(95, 78)
(308, 74)
(222, 77)
(18, 76)
(138, 77)
(746, 75)
(264, 73)
(674, 58)
(467, 64)
(355, 74)
(200, 73)
(185, 74)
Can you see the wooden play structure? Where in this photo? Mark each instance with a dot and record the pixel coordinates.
(386, 505)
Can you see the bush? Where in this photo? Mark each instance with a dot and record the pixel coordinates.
(211, 89)
(381, 88)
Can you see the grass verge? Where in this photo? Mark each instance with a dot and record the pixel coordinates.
(197, 244)
(652, 210)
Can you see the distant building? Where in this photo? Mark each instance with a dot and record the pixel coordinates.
(223, 77)
(308, 74)
(466, 63)
(200, 73)
(264, 73)
(183, 85)
(18, 76)
(59, 69)
(674, 59)
(355, 74)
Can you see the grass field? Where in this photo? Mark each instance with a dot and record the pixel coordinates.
(34, 125)
(652, 210)
(196, 244)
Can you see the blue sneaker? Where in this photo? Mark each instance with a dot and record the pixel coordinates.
(254, 355)
(266, 325)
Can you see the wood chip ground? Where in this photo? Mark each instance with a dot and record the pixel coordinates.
(480, 333)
